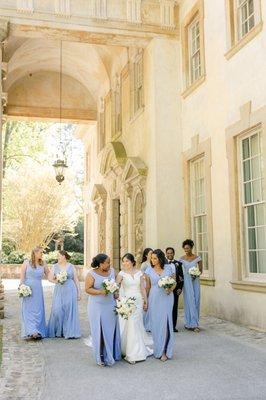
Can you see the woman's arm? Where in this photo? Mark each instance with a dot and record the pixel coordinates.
(119, 279)
(200, 266)
(143, 292)
(89, 282)
(148, 284)
(23, 271)
(51, 276)
(46, 270)
(76, 280)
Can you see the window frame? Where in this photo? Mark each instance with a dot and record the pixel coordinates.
(195, 14)
(193, 213)
(243, 206)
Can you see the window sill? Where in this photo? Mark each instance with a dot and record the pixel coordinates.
(193, 87)
(205, 281)
(249, 286)
(242, 42)
(136, 115)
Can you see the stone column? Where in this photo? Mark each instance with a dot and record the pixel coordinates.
(164, 191)
(3, 98)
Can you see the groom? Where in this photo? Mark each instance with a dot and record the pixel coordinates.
(177, 269)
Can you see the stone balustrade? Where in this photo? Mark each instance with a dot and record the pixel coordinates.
(12, 271)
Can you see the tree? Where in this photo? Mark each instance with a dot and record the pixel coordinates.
(36, 207)
(22, 141)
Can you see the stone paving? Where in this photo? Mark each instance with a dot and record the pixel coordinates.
(223, 362)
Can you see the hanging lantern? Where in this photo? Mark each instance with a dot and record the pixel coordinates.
(60, 164)
(59, 167)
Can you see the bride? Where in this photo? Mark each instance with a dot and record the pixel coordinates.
(134, 339)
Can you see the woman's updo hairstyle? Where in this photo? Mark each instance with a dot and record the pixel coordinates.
(99, 259)
(65, 253)
(130, 257)
(188, 242)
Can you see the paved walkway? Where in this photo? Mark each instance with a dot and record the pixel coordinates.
(223, 362)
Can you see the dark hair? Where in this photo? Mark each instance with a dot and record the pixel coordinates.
(161, 257)
(170, 248)
(188, 242)
(145, 254)
(99, 259)
(130, 257)
(65, 253)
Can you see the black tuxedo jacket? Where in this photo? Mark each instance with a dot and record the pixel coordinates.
(179, 274)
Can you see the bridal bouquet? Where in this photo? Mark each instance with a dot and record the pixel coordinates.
(24, 290)
(61, 277)
(110, 286)
(167, 282)
(125, 307)
(194, 272)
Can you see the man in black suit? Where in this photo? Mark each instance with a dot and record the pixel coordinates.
(178, 270)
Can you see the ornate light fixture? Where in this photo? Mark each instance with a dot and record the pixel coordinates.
(60, 163)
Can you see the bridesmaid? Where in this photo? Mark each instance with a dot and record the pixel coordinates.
(191, 289)
(105, 333)
(146, 262)
(160, 303)
(33, 313)
(64, 318)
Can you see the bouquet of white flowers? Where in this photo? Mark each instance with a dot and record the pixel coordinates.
(24, 290)
(110, 286)
(167, 282)
(61, 277)
(194, 272)
(125, 307)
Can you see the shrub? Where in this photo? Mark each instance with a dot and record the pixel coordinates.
(76, 258)
(15, 257)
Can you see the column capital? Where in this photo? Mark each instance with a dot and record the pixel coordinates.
(4, 26)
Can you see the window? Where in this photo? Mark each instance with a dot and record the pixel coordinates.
(194, 51)
(246, 16)
(199, 209)
(244, 23)
(193, 59)
(137, 85)
(253, 203)
(117, 108)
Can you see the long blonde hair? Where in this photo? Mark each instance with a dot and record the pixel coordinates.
(33, 260)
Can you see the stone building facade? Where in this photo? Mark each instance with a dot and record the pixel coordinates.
(170, 104)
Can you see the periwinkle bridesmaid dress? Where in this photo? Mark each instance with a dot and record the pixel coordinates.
(33, 312)
(161, 307)
(64, 318)
(191, 293)
(104, 325)
(146, 314)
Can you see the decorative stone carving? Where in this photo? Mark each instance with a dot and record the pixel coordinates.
(62, 8)
(167, 8)
(99, 196)
(25, 6)
(138, 225)
(134, 11)
(98, 9)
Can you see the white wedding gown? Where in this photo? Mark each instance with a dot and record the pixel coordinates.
(135, 341)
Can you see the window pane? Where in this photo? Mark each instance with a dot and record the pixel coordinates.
(252, 238)
(262, 262)
(261, 237)
(256, 190)
(245, 148)
(251, 215)
(253, 261)
(254, 145)
(246, 170)
(255, 167)
(251, 22)
(247, 187)
(260, 214)
(251, 6)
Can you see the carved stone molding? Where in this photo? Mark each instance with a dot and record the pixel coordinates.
(62, 8)
(167, 9)
(25, 6)
(134, 11)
